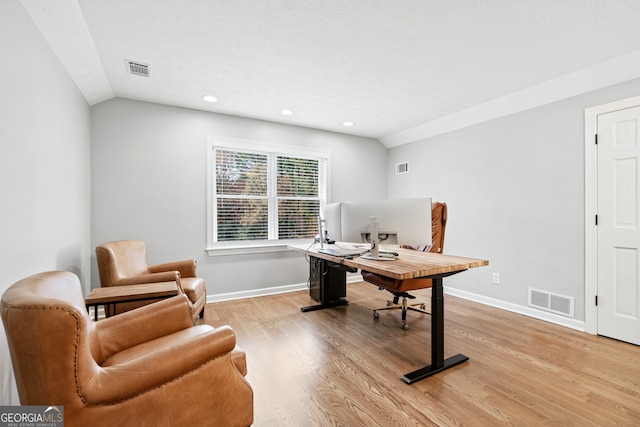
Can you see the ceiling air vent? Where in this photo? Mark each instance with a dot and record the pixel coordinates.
(138, 68)
(402, 168)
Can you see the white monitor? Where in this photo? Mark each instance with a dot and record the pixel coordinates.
(332, 221)
(400, 221)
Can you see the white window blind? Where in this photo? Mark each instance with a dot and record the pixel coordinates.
(265, 195)
(242, 204)
(298, 195)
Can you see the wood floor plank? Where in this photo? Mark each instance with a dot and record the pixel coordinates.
(340, 367)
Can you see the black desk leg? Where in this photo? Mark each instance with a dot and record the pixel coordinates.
(324, 305)
(438, 362)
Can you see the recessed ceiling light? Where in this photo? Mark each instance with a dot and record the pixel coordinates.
(348, 124)
(286, 112)
(210, 98)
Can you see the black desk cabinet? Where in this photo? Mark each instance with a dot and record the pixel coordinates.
(327, 283)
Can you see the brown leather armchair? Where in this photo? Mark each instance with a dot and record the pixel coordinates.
(146, 367)
(124, 262)
(401, 288)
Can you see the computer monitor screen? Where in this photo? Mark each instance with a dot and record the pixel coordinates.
(400, 221)
(332, 221)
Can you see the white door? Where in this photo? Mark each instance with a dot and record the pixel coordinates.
(618, 229)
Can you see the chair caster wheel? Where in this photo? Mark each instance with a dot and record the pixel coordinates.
(423, 307)
(405, 326)
(376, 314)
(389, 303)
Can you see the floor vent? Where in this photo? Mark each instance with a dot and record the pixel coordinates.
(138, 68)
(554, 303)
(402, 168)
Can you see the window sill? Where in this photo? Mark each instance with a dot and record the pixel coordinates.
(248, 249)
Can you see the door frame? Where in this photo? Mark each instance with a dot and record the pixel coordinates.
(591, 206)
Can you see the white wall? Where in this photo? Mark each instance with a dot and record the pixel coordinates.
(148, 164)
(44, 164)
(515, 192)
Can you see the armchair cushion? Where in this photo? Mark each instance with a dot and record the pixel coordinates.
(194, 288)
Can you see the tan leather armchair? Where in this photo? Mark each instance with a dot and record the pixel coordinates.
(401, 288)
(146, 367)
(124, 262)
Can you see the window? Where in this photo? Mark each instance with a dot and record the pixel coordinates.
(263, 195)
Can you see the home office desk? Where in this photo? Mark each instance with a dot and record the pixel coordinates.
(410, 265)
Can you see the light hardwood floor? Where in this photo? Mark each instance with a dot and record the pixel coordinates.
(340, 367)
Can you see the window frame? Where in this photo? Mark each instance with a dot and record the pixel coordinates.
(214, 247)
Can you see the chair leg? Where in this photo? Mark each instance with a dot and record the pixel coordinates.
(404, 306)
(419, 307)
(405, 325)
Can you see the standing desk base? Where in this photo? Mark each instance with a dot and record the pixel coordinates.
(324, 305)
(438, 362)
(418, 265)
(427, 371)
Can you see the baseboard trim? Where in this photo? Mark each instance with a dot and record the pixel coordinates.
(351, 278)
(492, 302)
(263, 292)
(519, 309)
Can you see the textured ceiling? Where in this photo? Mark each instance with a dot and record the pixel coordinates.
(394, 67)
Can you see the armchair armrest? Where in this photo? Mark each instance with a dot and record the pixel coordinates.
(136, 370)
(166, 276)
(187, 268)
(143, 324)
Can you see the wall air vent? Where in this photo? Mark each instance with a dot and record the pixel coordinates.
(554, 303)
(138, 68)
(402, 168)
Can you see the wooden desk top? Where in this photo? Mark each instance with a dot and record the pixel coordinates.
(113, 294)
(410, 264)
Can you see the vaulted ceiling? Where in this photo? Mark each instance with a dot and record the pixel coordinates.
(399, 70)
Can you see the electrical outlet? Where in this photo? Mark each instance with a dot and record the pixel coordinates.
(496, 278)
